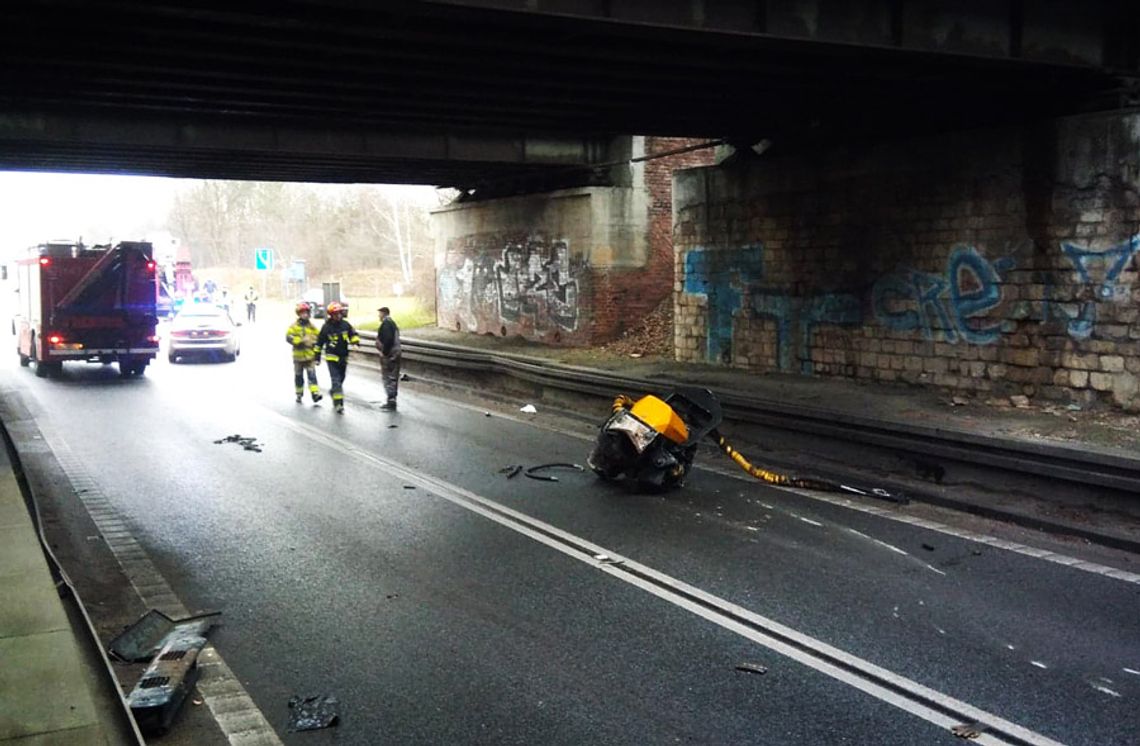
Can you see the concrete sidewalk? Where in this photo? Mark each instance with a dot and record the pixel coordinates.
(46, 686)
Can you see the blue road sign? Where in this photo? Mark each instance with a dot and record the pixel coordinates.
(263, 258)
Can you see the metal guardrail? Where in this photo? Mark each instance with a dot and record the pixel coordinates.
(1054, 461)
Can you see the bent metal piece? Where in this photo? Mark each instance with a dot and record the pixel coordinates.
(531, 472)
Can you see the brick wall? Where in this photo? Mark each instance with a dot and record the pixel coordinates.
(990, 262)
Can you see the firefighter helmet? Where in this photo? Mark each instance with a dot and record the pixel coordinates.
(335, 309)
(303, 307)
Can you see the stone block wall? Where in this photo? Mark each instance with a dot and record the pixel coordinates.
(995, 261)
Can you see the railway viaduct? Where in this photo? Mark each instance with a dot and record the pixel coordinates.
(892, 190)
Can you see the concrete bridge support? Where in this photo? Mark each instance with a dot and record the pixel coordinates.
(1000, 260)
(573, 267)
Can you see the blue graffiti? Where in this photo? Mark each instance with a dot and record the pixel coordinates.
(804, 315)
(951, 303)
(1114, 260)
(722, 277)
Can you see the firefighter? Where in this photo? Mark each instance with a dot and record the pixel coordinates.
(303, 336)
(333, 341)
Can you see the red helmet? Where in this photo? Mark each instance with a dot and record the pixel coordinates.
(303, 307)
(335, 308)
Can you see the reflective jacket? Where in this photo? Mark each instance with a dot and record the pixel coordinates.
(303, 336)
(334, 339)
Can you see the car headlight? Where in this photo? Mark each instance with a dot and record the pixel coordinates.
(640, 434)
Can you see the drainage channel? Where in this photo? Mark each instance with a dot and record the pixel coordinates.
(899, 691)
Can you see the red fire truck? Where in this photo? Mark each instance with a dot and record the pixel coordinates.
(89, 303)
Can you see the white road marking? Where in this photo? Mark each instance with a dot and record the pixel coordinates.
(1039, 664)
(1104, 689)
(808, 520)
(892, 547)
(233, 709)
(906, 694)
(1131, 671)
(935, 569)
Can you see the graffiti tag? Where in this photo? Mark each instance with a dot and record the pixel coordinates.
(954, 303)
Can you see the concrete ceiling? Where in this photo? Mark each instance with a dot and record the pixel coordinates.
(458, 92)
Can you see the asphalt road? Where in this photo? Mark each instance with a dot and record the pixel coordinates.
(382, 558)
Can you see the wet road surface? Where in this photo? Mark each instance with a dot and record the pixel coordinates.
(384, 559)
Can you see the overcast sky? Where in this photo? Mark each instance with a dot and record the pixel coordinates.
(39, 207)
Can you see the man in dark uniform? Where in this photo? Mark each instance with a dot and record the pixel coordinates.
(388, 342)
(333, 341)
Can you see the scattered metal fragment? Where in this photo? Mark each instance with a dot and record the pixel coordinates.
(486, 414)
(393, 427)
(249, 444)
(529, 409)
(409, 486)
(605, 559)
(928, 547)
(405, 377)
(313, 713)
(752, 668)
(512, 470)
(532, 471)
(969, 730)
(166, 682)
(142, 639)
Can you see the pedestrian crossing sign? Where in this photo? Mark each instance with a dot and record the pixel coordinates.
(263, 259)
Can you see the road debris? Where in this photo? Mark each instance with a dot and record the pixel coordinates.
(968, 730)
(1020, 401)
(605, 559)
(409, 486)
(165, 684)
(529, 409)
(511, 470)
(313, 713)
(486, 414)
(405, 377)
(249, 444)
(928, 547)
(532, 472)
(393, 427)
(755, 668)
(140, 641)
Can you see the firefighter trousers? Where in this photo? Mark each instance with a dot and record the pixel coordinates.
(303, 369)
(337, 371)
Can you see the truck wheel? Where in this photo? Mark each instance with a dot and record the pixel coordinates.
(24, 359)
(172, 358)
(41, 367)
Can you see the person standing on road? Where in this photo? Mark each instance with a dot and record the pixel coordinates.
(333, 341)
(251, 299)
(303, 336)
(388, 342)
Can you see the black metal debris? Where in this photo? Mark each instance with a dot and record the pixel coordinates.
(313, 713)
(532, 472)
(249, 444)
(511, 470)
(755, 668)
